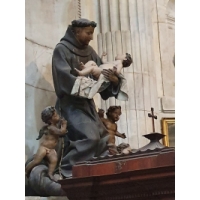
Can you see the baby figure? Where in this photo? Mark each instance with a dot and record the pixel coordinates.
(49, 135)
(113, 114)
(91, 67)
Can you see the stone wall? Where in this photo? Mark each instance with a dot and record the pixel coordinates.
(146, 30)
(46, 22)
(164, 47)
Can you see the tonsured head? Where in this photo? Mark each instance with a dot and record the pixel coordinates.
(83, 30)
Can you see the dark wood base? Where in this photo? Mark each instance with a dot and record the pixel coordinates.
(143, 176)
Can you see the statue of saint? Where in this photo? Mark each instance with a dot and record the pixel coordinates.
(86, 137)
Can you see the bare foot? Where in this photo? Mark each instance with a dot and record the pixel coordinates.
(52, 178)
(82, 66)
(78, 72)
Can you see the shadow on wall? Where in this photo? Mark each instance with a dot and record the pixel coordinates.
(28, 151)
(39, 94)
(45, 97)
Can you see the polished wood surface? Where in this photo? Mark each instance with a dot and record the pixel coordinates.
(148, 175)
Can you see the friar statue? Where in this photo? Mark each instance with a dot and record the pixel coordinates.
(87, 137)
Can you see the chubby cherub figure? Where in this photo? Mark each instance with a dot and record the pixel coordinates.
(113, 114)
(49, 135)
(91, 67)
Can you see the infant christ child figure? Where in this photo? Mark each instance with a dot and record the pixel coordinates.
(49, 135)
(91, 67)
(101, 75)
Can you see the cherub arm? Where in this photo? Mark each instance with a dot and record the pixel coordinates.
(82, 66)
(104, 121)
(56, 131)
(122, 135)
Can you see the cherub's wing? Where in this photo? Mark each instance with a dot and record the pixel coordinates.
(42, 131)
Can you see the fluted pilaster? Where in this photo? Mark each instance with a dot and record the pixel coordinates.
(131, 31)
(126, 26)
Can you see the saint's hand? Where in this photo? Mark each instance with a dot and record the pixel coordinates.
(111, 75)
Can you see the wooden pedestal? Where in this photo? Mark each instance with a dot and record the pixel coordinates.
(148, 175)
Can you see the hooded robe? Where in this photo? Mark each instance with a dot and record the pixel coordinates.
(87, 136)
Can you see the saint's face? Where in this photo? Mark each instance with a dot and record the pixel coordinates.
(85, 35)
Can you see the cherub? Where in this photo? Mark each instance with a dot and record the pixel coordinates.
(121, 61)
(49, 135)
(113, 114)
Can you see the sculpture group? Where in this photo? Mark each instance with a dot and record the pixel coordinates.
(78, 74)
